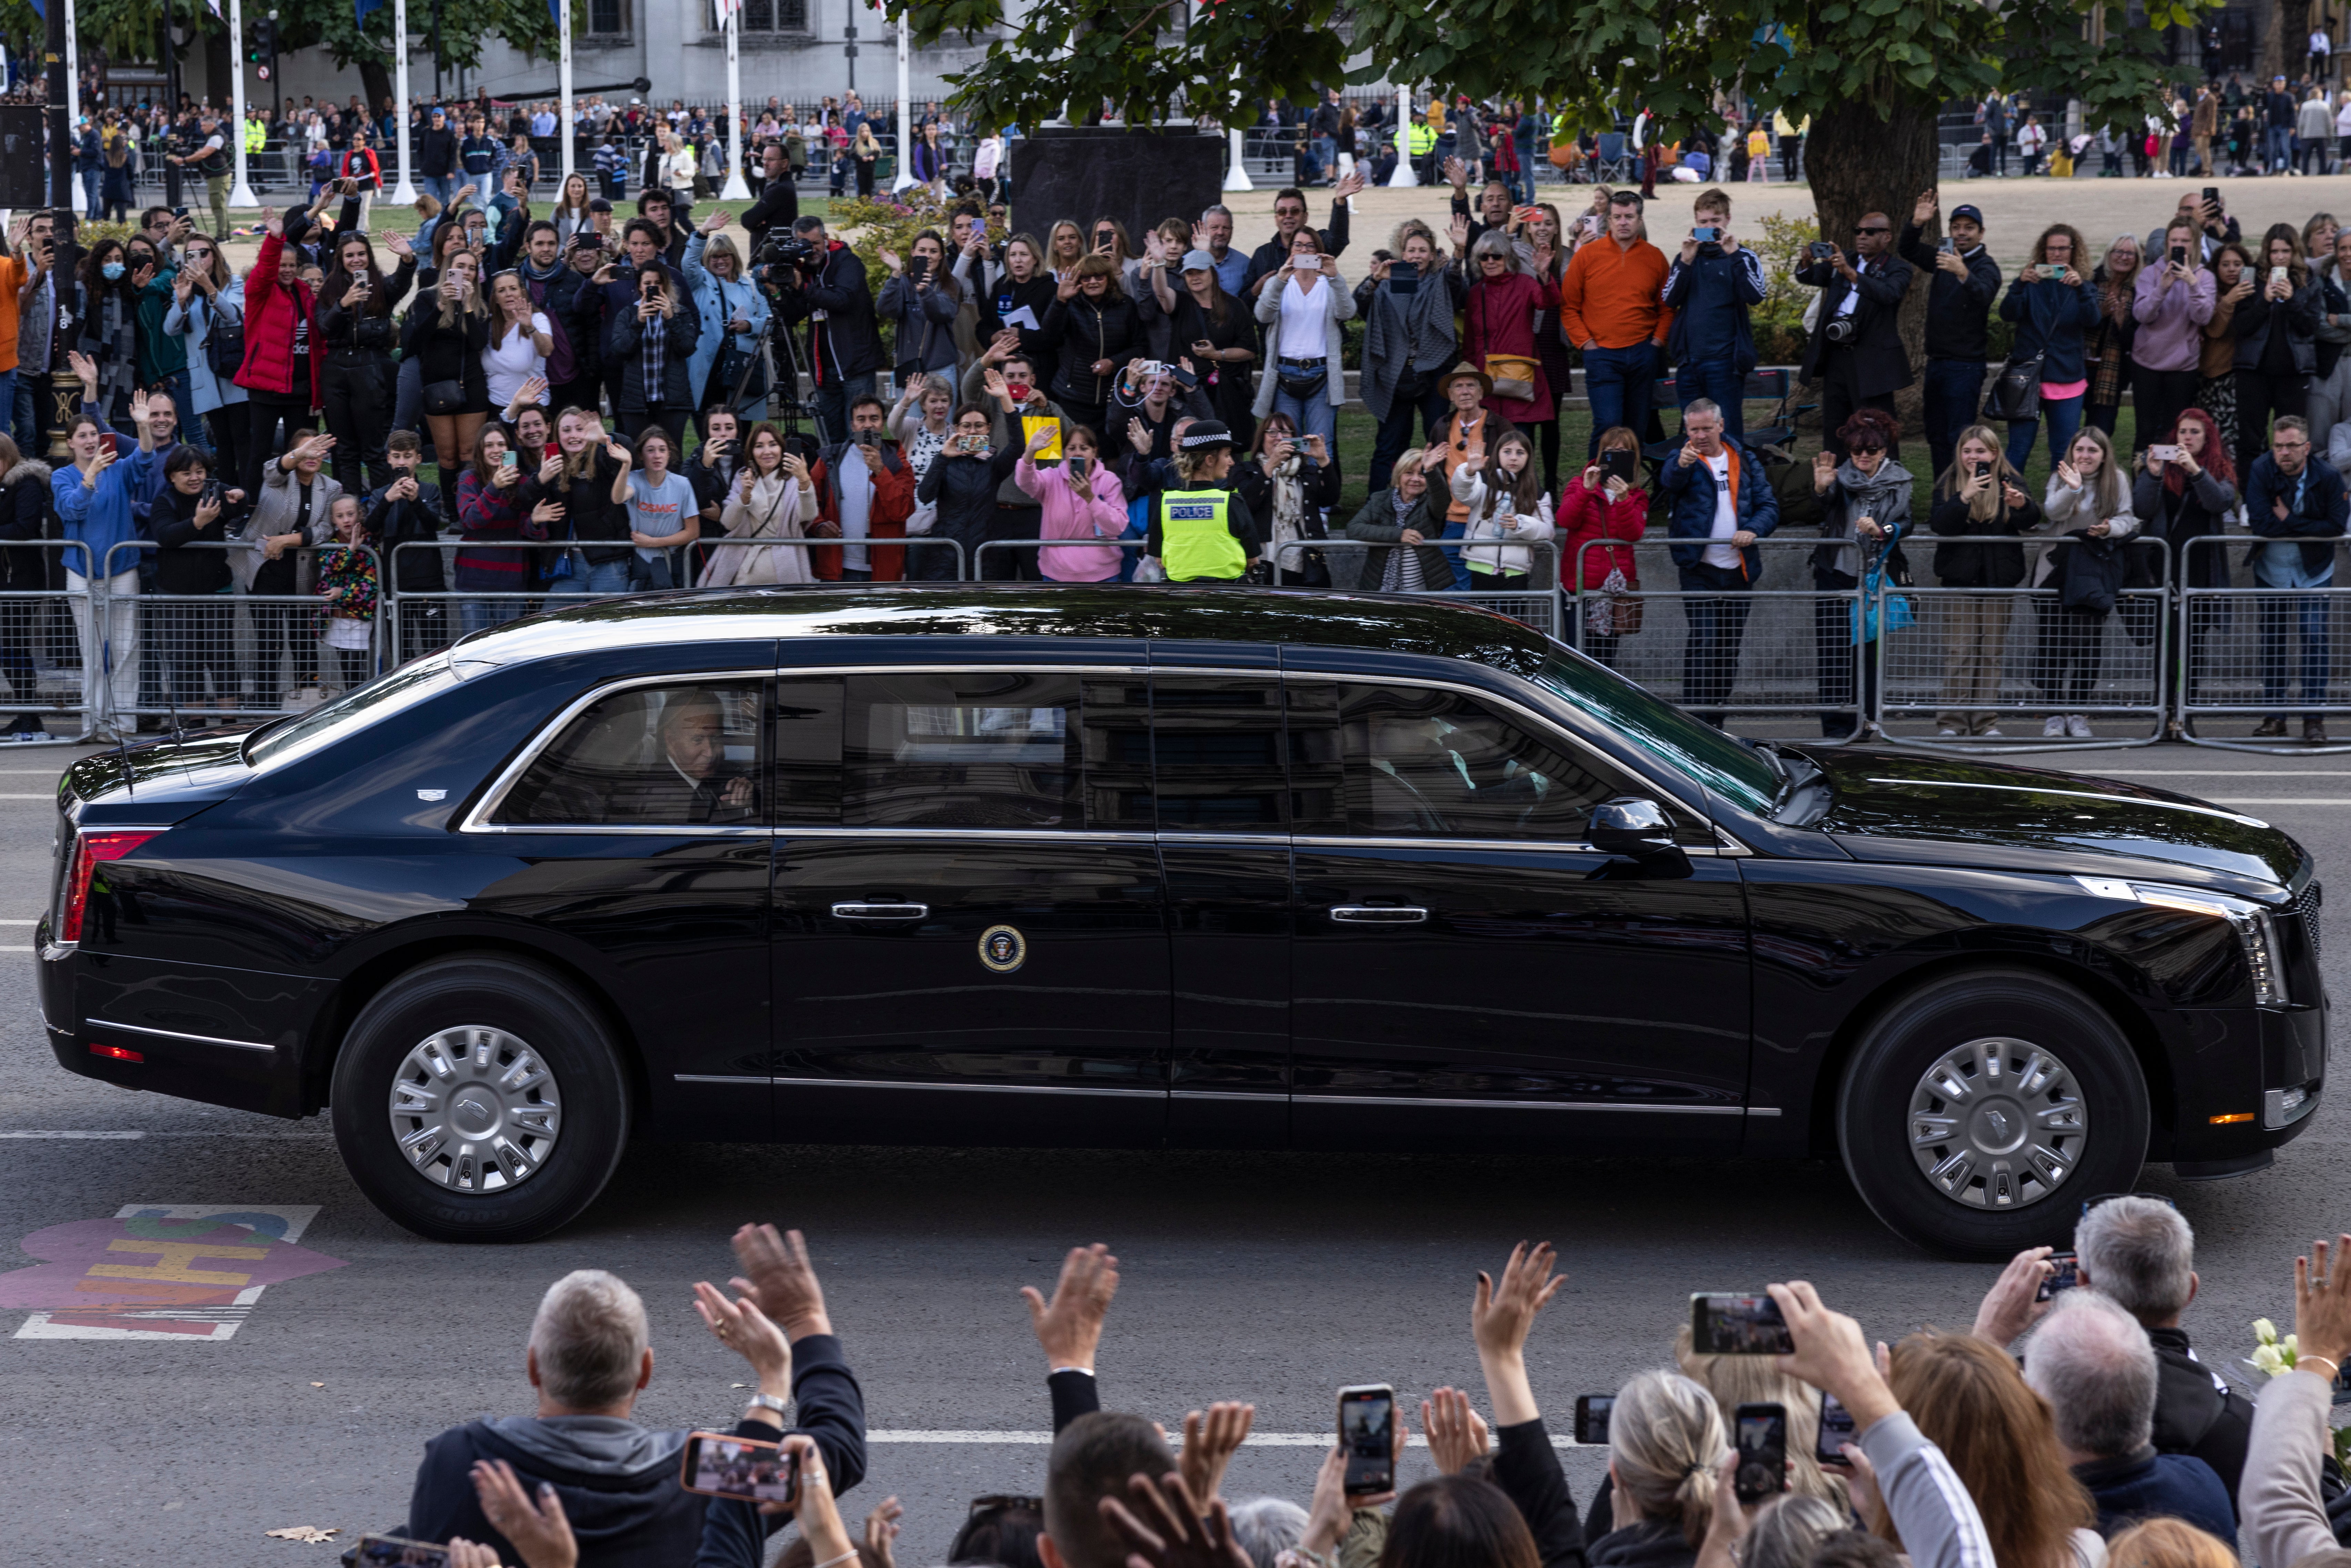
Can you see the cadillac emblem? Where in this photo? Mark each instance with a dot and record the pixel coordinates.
(1002, 948)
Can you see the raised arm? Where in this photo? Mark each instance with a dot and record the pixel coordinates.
(1069, 1327)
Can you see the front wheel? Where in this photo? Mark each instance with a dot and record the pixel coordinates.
(1979, 1110)
(480, 1100)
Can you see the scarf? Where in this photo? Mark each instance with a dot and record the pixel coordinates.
(1401, 573)
(1288, 510)
(654, 355)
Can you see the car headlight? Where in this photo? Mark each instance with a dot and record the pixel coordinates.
(2256, 931)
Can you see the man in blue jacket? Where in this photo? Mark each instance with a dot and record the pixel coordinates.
(1710, 289)
(2298, 501)
(1719, 504)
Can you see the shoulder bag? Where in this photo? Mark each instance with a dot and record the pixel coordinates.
(2015, 393)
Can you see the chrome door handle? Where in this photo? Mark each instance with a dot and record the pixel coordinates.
(881, 911)
(1377, 914)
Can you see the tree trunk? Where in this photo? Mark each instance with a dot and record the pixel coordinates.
(376, 82)
(1859, 163)
(2272, 43)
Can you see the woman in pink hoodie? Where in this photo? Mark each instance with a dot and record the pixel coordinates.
(1082, 500)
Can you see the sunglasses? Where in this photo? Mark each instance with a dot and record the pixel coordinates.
(1873, 229)
(1860, 449)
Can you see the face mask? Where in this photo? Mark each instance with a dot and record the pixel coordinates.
(113, 269)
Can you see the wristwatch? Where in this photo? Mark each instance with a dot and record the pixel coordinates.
(768, 1402)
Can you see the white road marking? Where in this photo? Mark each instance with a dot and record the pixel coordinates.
(16, 949)
(1043, 1439)
(2223, 772)
(114, 1134)
(28, 921)
(2281, 800)
(27, 797)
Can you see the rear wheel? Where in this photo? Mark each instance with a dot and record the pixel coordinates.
(1981, 1109)
(480, 1100)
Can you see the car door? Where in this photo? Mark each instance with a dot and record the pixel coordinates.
(969, 912)
(640, 831)
(1222, 799)
(1467, 967)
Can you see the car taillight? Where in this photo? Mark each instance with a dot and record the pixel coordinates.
(88, 850)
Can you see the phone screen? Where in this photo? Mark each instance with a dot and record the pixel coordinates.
(376, 1551)
(1762, 1439)
(1730, 1324)
(2068, 1275)
(1618, 461)
(2179, 255)
(918, 268)
(1983, 470)
(1836, 1430)
(1367, 1436)
(1592, 1412)
(1403, 278)
(739, 1468)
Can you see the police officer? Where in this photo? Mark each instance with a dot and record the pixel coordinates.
(1423, 142)
(1201, 531)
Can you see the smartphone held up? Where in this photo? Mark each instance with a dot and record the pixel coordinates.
(743, 1468)
(1367, 1436)
(1762, 1437)
(1731, 1323)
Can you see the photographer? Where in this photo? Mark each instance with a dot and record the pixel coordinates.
(864, 490)
(778, 206)
(1710, 289)
(824, 285)
(1856, 357)
(1965, 282)
(921, 301)
(354, 321)
(650, 347)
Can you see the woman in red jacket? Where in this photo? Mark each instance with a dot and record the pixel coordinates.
(280, 371)
(1503, 304)
(1602, 504)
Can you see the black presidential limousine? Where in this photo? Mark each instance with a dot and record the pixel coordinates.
(1136, 867)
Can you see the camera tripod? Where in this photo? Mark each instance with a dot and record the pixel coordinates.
(784, 405)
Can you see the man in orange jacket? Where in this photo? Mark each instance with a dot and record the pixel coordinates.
(1611, 305)
(865, 491)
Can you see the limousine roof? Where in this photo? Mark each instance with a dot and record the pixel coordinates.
(1025, 612)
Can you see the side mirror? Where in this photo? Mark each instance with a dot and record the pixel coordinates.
(1631, 827)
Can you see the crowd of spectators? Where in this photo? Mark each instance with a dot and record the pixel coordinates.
(2074, 1428)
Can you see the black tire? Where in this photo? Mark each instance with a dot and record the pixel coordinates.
(526, 1005)
(1881, 1094)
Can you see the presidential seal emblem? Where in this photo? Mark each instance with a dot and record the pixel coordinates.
(1002, 948)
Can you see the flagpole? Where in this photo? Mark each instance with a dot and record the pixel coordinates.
(566, 134)
(738, 189)
(906, 112)
(406, 195)
(240, 193)
(73, 70)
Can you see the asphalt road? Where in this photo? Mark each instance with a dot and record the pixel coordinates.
(1272, 1278)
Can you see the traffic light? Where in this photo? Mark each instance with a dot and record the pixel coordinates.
(264, 43)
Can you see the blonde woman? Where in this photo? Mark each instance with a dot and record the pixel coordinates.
(864, 156)
(1666, 1445)
(1978, 494)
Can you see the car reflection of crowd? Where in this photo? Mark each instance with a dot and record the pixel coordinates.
(1753, 1327)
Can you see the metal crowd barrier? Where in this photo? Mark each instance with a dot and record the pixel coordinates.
(2042, 660)
(421, 621)
(1776, 649)
(42, 631)
(233, 653)
(2258, 651)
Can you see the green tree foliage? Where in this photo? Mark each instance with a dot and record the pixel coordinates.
(130, 29)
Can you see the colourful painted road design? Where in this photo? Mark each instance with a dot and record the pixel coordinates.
(160, 1271)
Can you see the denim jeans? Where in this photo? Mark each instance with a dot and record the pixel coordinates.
(1620, 383)
(2278, 150)
(1326, 152)
(1953, 392)
(1719, 379)
(1716, 628)
(2063, 416)
(2310, 609)
(440, 187)
(26, 414)
(1310, 415)
(607, 577)
(93, 209)
(481, 614)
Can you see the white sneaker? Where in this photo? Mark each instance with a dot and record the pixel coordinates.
(1991, 734)
(2078, 727)
(1947, 733)
(2054, 727)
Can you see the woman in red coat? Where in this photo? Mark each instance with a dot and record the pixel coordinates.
(280, 370)
(1601, 505)
(1500, 311)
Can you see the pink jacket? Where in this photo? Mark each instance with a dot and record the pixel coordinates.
(1068, 517)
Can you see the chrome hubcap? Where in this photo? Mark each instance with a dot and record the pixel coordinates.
(1998, 1123)
(474, 1110)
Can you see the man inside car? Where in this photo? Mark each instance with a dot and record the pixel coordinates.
(692, 781)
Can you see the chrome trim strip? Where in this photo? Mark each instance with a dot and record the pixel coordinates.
(1520, 846)
(179, 1034)
(1377, 914)
(1762, 1110)
(855, 911)
(621, 830)
(713, 1078)
(1056, 835)
(959, 667)
(969, 1088)
(477, 819)
(1521, 1105)
(1268, 1097)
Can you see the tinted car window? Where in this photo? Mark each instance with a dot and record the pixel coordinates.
(961, 750)
(1426, 763)
(808, 751)
(1216, 745)
(686, 755)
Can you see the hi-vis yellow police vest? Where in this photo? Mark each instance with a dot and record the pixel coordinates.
(1196, 538)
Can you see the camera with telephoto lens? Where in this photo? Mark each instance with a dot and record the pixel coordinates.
(1839, 330)
(781, 248)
